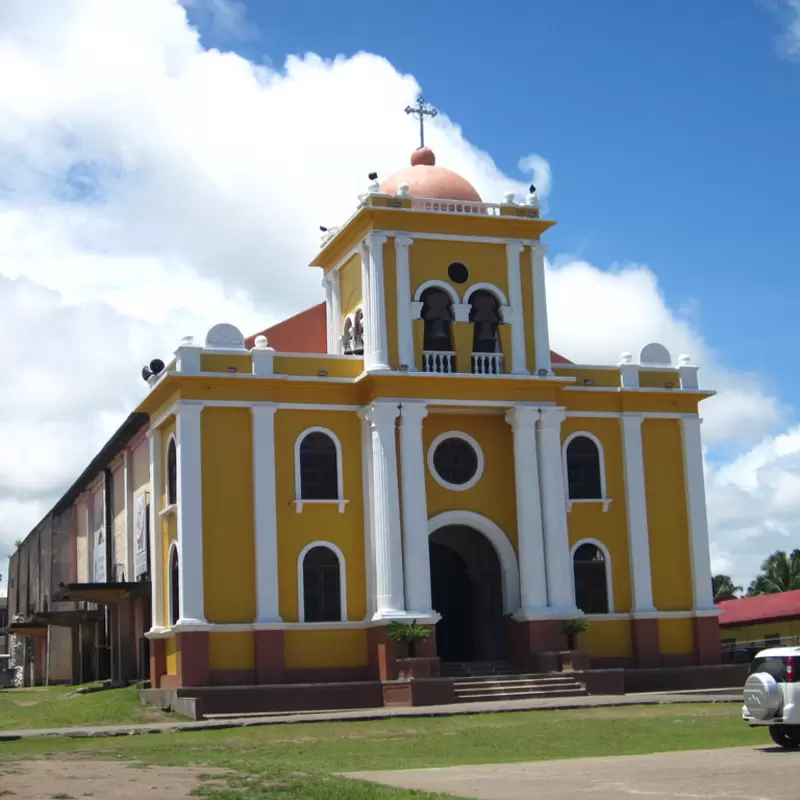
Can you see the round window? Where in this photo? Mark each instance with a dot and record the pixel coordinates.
(458, 272)
(456, 461)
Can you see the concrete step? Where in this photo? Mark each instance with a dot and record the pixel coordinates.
(543, 680)
(518, 694)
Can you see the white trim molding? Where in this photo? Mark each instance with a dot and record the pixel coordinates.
(513, 313)
(465, 437)
(156, 531)
(445, 287)
(405, 330)
(171, 439)
(609, 571)
(486, 287)
(301, 610)
(498, 540)
(542, 359)
(604, 499)
(299, 500)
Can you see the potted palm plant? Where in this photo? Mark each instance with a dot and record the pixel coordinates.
(407, 634)
(572, 658)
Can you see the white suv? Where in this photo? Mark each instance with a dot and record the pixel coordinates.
(772, 694)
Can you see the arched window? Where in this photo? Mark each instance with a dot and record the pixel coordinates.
(591, 579)
(172, 472)
(584, 472)
(322, 584)
(358, 333)
(174, 583)
(318, 467)
(484, 314)
(437, 312)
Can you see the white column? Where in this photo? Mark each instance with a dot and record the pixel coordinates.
(190, 515)
(379, 359)
(530, 542)
(518, 362)
(405, 331)
(156, 533)
(336, 311)
(369, 337)
(127, 488)
(636, 507)
(541, 330)
(366, 489)
(554, 513)
(416, 555)
(385, 503)
(265, 514)
(329, 326)
(696, 512)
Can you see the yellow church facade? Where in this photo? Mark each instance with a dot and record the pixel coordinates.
(438, 463)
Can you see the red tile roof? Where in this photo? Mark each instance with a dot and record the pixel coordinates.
(307, 332)
(760, 608)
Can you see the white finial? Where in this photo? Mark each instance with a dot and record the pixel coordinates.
(626, 358)
(532, 199)
(374, 187)
(187, 341)
(508, 198)
(403, 189)
(684, 360)
(261, 341)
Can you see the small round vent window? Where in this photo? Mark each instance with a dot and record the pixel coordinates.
(458, 272)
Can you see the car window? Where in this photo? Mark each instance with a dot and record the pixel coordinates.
(772, 665)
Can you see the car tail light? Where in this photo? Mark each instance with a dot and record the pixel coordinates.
(791, 670)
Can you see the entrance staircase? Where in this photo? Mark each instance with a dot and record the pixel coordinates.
(499, 680)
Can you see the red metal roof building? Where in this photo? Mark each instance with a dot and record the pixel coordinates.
(759, 609)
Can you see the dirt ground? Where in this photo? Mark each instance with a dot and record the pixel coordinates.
(75, 779)
(751, 773)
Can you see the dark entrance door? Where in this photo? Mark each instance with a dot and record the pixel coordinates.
(467, 590)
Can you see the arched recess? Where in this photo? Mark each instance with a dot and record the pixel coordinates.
(301, 597)
(486, 287)
(500, 542)
(608, 570)
(445, 287)
(171, 470)
(173, 572)
(569, 478)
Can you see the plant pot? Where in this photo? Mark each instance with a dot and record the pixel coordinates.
(422, 667)
(574, 660)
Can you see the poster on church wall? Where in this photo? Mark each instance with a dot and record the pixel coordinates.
(99, 556)
(140, 537)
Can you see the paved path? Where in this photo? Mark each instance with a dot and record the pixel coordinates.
(741, 773)
(494, 707)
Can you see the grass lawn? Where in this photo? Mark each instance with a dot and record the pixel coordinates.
(53, 707)
(296, 761)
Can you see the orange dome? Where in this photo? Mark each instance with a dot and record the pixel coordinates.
(425, 179)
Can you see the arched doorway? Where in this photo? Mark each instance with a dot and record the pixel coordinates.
(467, 591)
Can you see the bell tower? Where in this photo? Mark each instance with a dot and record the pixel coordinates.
(427, 277)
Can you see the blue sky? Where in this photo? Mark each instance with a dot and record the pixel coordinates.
(671, 127)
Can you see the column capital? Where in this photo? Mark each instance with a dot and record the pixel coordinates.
(413, 412)
(514, 246)
(375, 239)
(403, 241)
(632, 416)
(381, 413)
(552, 417)
(363, 249)
(264, 410)
(520, 417)
(189, 408)
(540, 248)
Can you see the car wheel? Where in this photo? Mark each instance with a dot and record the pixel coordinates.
(785, 736)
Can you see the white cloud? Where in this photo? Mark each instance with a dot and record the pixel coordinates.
(150, 187)
(790, 41)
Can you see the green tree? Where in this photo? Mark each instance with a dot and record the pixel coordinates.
(779, 573)
(724, 588)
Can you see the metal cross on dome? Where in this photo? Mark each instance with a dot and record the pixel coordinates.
(419, 111)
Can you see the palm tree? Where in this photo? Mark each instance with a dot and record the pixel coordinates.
(724, 588)
(779, 573)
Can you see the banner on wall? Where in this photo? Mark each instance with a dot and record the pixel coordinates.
(99, 556)
(140, 537)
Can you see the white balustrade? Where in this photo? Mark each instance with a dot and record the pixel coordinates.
(487, 363)
(467, 207)
(438, 361)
